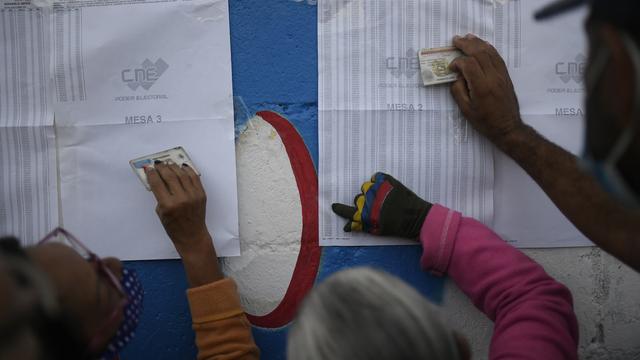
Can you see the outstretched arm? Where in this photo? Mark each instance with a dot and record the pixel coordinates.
(486, 97)
(533, 313)
(221, 327)
(599, 217)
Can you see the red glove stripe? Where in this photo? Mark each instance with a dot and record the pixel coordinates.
(381, 196)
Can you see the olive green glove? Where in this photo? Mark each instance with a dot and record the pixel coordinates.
(385, 207)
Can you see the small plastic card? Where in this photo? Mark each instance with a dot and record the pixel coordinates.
(177, 156)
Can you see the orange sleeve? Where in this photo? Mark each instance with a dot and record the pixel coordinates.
(222, 330)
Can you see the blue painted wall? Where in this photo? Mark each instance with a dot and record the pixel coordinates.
(274, 56)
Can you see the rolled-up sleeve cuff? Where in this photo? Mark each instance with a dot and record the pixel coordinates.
(215, 301)
(438, 235)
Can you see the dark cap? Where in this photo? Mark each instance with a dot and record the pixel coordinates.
(620, 13)
(618, 9)
(558, 7)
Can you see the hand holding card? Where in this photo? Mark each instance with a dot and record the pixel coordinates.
(177, 156)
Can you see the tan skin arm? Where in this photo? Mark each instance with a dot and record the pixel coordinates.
(608, 224)
(181, 208)
(221, 329)
(487, 98)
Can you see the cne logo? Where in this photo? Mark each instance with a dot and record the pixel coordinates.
(144, 76)
(408, 65)
(572, 70)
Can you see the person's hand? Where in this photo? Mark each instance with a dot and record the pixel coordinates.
(385, 207)
(181, 203)
(181, 207)
(484, 90)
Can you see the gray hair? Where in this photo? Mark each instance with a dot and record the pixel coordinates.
(363, 314)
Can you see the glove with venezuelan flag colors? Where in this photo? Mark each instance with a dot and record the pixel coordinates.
(385, 207)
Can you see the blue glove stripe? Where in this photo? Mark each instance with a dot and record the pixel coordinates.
(370, 197)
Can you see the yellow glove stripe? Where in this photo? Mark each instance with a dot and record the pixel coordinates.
(365, 187)
(359, 206)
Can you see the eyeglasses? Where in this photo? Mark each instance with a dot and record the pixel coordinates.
(60, 235)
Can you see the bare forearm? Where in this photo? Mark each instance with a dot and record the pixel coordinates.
(486, 97)
(608, 224)
(181, 208)
(201, 263)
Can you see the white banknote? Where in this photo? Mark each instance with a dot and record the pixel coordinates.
(434, 65)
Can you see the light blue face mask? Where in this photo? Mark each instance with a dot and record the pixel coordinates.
(132, 312)
(606, 171)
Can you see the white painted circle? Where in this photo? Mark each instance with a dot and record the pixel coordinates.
(270, 219)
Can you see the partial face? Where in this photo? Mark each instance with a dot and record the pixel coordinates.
(84, 295)
(602, 130)
(16, 342)
(610, 79)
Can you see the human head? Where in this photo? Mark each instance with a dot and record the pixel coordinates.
(612, 148)
(53, 273)
(363, 314)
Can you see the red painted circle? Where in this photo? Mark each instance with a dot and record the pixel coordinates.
(306, 268)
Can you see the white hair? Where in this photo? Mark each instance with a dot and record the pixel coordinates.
(363, 314)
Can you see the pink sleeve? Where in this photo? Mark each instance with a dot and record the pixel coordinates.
(533, 313)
